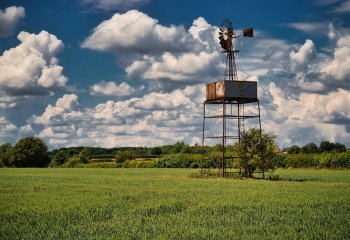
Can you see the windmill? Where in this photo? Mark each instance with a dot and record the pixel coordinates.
(226, 99)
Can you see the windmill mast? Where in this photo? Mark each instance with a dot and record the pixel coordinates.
(226, 99)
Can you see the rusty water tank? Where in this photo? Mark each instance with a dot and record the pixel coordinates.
(232, 90)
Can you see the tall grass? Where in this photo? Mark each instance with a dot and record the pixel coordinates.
(167, 204)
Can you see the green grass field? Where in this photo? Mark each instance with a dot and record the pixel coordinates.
(168, 204)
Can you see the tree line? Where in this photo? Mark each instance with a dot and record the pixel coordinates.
(33, 152)
(325, 146)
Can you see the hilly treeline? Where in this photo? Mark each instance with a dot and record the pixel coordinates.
(325, 146)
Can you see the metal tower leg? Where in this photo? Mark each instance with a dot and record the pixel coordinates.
(262, 153)
(203, 150)
(223, 147)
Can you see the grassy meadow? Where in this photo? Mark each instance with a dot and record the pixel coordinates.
(57, 203)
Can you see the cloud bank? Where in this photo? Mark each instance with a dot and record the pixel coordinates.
(113, 89)
(303, 90)
(155, 119)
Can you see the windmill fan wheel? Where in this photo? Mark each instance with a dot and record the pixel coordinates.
(226, 35)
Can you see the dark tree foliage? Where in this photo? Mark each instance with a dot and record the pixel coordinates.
(294, 149)
(310, 148)
(186, 149)
(85, 154)
(59, 158)
(338, 147)
(177, 147)
(156, 151)
(4, 154)
(122, 156)
(29, 152)
(197, 149)
(4, 147)
(326, 146)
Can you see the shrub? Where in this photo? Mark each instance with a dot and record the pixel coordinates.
(341, 160)
(100, 165)
(301, 160)
(74, 161)
(179, 160)
(96, 160)
(122, 156)
(321, 160)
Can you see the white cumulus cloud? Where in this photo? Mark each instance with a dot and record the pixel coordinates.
(8, 131)
(300, 59)
(155, 52)
(136, 32)
(9, 18)
(32, 66)
(157, 118)
(311, 117)
(104, 88)
(66, 109)
(187, 66)
(339, 66)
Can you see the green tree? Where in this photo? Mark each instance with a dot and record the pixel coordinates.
(338, 147)
(85, 154)
(256, 150)
(310, 148)
(4, 153)
(176, 148)
(197, 149)
(326, 146)
(29, 152)
(186, 149)
(122, 156)
(59, 158)
(294, 149)
(156, 151)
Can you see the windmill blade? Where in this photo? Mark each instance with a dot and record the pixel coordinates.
(226, 34)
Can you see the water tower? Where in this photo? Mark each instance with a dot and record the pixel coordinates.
(230, 103)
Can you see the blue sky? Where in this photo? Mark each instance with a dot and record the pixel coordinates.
(132, 73)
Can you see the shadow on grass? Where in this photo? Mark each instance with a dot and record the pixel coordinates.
(289, 179)
(237, 175)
